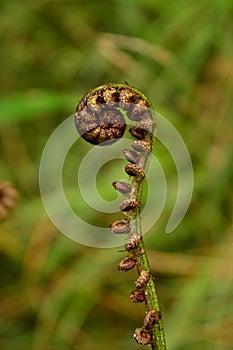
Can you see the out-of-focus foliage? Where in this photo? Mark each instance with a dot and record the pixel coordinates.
(55, 293)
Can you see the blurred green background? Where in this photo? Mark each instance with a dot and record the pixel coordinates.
(55, 293)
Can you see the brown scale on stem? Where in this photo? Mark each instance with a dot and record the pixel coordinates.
(142, 145)
(127, 264)
(133, 243)
(122, 187)
(152, 317)
(142, 279)
(120, 226)
(142, 337)
(134, 170)
(131, 156)
(137, 296)
(129, 204)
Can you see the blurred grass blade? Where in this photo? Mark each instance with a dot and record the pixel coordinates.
(19, 107)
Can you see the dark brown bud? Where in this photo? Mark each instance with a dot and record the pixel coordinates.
(129, 204)
(138, 133)
(132, 243)
(142, 145)
(122, 187)
(129, 99)
(137, 296)
(120, 226)
(134, 170)
(143, 279)
(8, 199)
(139, 110)
(142, 337)
(126, 264)
(143, 130)
(98, 118)
(131, 156)
(98, 123)
(152, 317)
(146, 125)
(109, 95)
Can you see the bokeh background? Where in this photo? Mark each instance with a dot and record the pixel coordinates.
(56, 293)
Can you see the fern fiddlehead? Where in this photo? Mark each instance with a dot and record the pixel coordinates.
(100, 120)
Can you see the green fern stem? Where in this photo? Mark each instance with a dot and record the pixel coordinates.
(142, 263)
